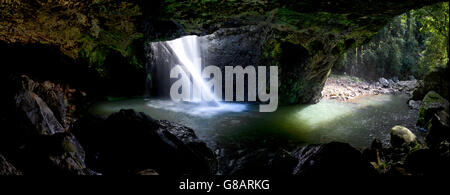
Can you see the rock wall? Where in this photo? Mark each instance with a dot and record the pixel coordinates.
(304, 38)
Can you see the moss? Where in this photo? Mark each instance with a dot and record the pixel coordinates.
(414, 146)
(271, 53)
(311, 20)
(431, 103)
(83, 30)
(96, 31)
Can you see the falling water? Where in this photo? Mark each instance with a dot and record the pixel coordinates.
(186, 52)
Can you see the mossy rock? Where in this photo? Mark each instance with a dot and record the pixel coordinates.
(434, 81)
(402, 136)
(431, 104)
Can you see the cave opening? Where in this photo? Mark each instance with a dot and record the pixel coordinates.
(359, 87)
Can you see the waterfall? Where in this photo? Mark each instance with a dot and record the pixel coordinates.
(187, 52)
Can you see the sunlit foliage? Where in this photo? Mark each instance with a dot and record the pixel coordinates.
(412, 44)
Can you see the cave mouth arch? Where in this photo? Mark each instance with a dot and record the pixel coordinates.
(42, 62)
(47, 63)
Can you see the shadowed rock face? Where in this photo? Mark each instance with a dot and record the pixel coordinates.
(7, 168)
(31, 137)
(431, 104)
(128, 143)
(433, 82)
(303, 38)
(332, 159)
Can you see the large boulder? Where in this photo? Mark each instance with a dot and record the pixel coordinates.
(332, 159)
(190, 139)
(53, 96)
(38, 113)
(431, 104)
(434, 81)
(32, 108)
(128, 142)
(32, 137)
(401, 136)
(438, 129)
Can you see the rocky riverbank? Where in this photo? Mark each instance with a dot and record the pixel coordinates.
(346, 88)
(405, 154)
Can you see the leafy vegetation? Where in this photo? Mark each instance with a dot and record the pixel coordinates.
(413, 43)
(83, 29)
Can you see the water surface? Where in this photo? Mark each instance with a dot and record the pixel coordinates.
(241, 125)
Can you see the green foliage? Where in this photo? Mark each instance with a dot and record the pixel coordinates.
(94, 53)
(433, 23)
(413, 43)
(111, 33)
(84, 29)
(194, 14)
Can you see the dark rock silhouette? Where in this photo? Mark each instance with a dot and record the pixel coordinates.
(128, 142)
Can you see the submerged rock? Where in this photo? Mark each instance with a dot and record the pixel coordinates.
(401, 136)
(332, 159)
(128, 142)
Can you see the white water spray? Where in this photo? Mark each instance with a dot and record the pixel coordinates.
(188, 51)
